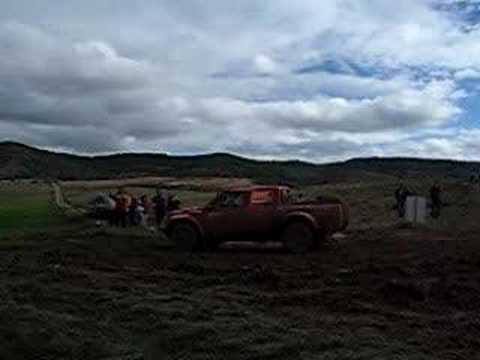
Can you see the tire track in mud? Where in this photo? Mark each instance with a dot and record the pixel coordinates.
(58, 197)
(60, 202)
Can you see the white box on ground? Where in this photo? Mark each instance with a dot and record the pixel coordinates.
(416, 209)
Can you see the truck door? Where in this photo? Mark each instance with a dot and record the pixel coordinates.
(227, 218)
(260, 211)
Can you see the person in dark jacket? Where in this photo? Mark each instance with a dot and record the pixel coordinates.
(436, 199)
(135, 212)
(160, 206)
(401, 194)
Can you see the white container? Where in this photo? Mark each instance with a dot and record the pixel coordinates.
(416, 209)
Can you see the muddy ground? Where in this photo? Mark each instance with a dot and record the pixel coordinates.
(386, 293)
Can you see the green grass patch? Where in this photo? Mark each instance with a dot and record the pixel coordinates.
(27, 211)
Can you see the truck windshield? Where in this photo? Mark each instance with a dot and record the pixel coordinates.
(228, 199)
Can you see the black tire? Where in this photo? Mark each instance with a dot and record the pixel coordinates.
(185, 237)
(299, 238)
(211, 244)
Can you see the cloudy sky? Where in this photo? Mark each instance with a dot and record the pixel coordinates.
(316, 80)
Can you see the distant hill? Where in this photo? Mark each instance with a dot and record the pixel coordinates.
(22, 161)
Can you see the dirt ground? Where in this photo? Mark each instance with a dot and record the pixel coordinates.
(383, 293)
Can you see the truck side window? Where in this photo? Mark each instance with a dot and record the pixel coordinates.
(262, 197)
(232, 200)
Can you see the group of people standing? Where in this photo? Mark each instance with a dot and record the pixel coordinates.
(131, 210)
(435, 196)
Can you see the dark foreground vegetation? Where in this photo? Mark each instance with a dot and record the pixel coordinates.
(383, 293)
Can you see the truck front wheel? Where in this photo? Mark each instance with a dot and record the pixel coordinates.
(298, 237)
(185, 237)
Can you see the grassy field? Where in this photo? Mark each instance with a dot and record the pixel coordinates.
(372, 204)
(27, 208)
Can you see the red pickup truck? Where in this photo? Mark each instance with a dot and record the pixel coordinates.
(257, 213)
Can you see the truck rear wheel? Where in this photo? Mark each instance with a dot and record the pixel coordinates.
(185, 237)
(298, 237)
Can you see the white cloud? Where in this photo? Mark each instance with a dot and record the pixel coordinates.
(467, 73)
(413, 107)
(264, 65)
(141, 77)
